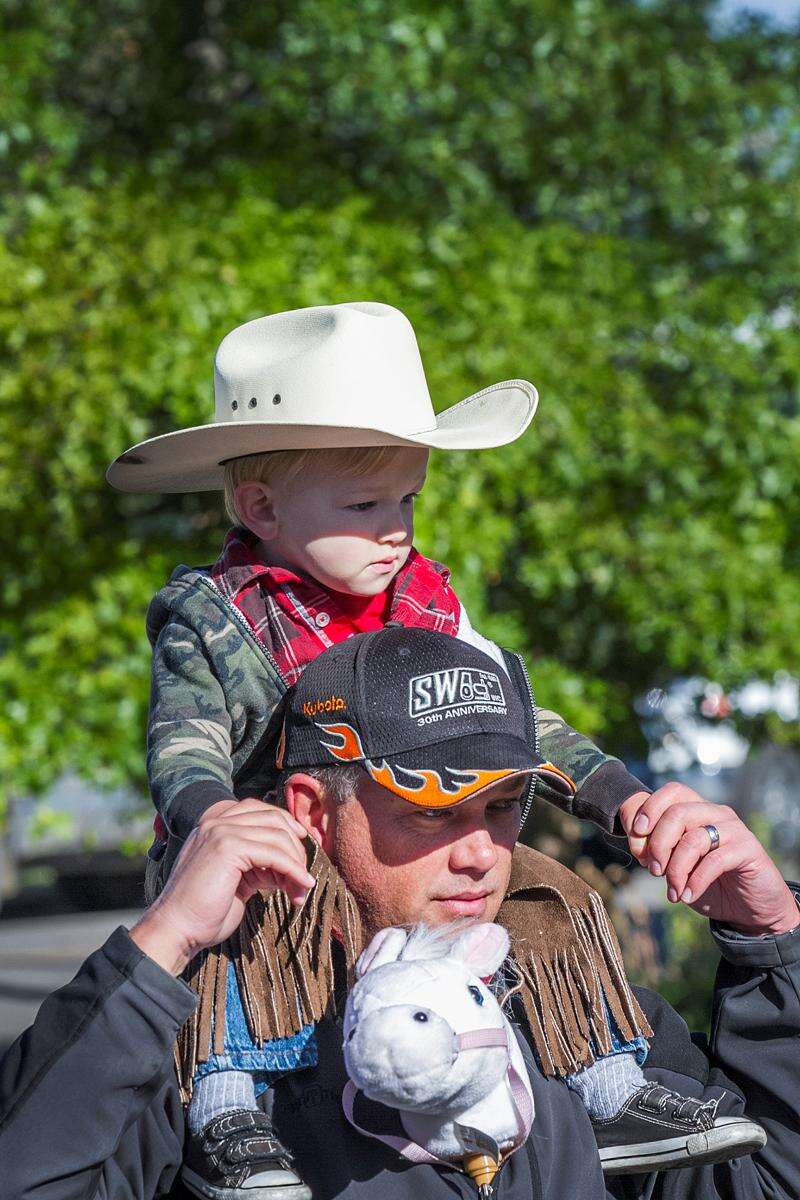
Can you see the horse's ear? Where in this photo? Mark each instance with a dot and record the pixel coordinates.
(385, 947)
(482, 948)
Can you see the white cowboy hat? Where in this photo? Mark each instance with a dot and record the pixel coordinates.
(335, 375)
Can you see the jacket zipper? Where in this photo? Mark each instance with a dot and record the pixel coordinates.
(246, 628)
(532, 785)
(488, 1191)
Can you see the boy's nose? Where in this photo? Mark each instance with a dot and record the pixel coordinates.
(394, 533)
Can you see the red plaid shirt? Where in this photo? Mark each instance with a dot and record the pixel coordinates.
(296, 618)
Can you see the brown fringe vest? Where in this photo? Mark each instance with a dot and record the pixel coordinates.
(564, 952)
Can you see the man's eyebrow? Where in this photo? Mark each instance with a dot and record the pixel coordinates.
(509, 791)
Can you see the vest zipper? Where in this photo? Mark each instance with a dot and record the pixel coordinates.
(529, 798)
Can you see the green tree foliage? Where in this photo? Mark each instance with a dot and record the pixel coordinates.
(595, 194)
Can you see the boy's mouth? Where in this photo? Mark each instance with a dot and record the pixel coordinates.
(384, 564)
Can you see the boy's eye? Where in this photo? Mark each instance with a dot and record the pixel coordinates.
(364, 506)
(410, 498)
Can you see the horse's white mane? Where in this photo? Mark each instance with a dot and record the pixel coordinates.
(431, 941)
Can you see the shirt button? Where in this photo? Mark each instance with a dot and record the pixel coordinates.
(321, 620)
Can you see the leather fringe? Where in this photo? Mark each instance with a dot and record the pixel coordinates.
(283, 958)
(563, 949)
(565, 988)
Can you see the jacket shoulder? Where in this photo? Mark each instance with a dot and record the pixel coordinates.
(182, 594)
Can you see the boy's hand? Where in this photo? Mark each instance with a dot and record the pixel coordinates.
(249, 846)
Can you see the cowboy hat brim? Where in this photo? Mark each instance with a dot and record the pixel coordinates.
(192, 460)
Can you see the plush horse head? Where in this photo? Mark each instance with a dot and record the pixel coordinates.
(425, 1035)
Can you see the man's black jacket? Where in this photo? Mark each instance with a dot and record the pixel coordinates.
(89, 1106)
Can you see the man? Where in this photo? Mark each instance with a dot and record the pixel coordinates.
(89, 1101)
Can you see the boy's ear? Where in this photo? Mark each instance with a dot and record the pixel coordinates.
(255, 504)
(303, 796)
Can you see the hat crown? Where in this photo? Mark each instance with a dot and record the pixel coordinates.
(355, 364)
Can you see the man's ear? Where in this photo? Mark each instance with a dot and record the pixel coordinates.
(255, 504)
(304, 797)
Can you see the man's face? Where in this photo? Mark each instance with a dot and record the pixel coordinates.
(405, 864)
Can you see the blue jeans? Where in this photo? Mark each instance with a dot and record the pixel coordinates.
(637, 1046)
(265, 1064)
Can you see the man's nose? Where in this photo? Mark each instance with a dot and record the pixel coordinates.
(475, 851)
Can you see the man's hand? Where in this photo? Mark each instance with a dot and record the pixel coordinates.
(737, 883)
(247, 847)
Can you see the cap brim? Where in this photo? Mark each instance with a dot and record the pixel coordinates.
(192, 460)
(446, 774)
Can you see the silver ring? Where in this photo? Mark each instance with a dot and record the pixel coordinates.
(713, 833)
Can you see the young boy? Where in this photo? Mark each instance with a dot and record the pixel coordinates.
(323, 424)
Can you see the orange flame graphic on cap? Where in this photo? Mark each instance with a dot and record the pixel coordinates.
(430, 792)
(351, 749)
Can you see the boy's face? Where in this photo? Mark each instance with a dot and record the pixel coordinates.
(351, 534)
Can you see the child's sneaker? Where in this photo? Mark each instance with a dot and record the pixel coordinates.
(238, 1156)
(657, 1129)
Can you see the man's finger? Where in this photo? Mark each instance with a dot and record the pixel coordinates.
(692, 847)
(263, 815)
(641, 813)
(268, 835)
(655, 804)
(708, 871)
(271, 857)
(672, 825)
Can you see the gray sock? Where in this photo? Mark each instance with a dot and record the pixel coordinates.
(607, 1083)
(220, 1092)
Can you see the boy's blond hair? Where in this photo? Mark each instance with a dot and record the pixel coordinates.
(279, 467)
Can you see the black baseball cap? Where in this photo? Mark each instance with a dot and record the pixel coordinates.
(426, 715)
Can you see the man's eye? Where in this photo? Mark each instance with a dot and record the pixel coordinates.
(364, 506)
(504, 806)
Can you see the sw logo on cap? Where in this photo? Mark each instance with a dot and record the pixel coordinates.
(449, 691)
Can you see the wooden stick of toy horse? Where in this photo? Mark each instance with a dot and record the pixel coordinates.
(425, 1035)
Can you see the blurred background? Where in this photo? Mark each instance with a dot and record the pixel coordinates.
(598, 195)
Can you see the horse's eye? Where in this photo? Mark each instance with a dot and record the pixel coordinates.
(476, 993)
(351, 1034)
(421, 1016)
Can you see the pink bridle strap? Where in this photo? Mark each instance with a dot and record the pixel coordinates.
(404, 1146)
(477, 1039)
